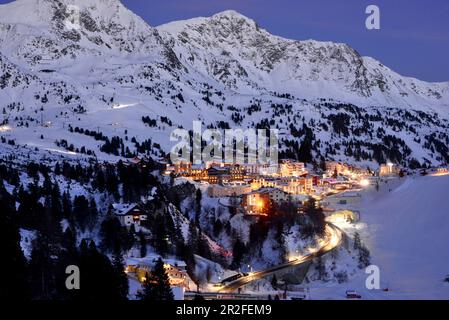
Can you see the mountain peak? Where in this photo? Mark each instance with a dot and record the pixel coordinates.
(230, 14)
(42, 12)
(232, 17)
(68, 29)
(225, 20)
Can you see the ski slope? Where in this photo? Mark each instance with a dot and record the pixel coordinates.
(407, 232)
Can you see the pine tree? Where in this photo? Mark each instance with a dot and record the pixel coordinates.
(282, 250)
(41, 267)
(198, 198)
(357, 241)
(68, 256)
(193, 238)
(238, 252)
(157, 285)
(316, 216)
(274, 282)
(304, 153)
(203, 245)
(143, 245)
(217, 227)
(160, 235)
(14, 285)
(67, 207)
(121, 279)
(364, 257)
(114, 235)
(322, 164)
(57, 169)
(101, 279)
(81, 211)
(321, 268)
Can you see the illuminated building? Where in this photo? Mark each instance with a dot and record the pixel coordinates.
(228, 189)
(389, 169)
(177, 275)
(129, 215)
(290, 185)
(290, 168)
(258, 202)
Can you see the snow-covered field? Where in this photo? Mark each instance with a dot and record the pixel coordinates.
(406, 227)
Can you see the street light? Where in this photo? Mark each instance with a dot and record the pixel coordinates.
(364, 182)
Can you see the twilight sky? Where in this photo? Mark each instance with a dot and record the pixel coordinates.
(413, 40)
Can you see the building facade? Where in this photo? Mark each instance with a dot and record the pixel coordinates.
(129, 215)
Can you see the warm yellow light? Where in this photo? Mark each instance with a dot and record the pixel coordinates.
(5, 128)
(364, 182)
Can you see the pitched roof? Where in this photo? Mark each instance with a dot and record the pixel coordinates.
(121, 209)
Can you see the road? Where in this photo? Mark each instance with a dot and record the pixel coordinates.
(333, 240)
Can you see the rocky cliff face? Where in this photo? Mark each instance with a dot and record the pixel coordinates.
(237, 52)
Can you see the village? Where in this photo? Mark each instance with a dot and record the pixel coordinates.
(251, 190)
(255, 186)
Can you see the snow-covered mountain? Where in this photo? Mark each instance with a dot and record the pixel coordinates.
(64, 88)
(237, 52)
(45, 33)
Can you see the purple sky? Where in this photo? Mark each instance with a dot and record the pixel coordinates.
(413, 40)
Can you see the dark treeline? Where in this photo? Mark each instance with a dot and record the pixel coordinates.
(43, 276)
(72, 227)
(31, 201)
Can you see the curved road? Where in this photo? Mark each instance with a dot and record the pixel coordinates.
(333, 240)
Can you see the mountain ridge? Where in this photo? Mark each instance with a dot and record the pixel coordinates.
(135, 83)
(206, 38)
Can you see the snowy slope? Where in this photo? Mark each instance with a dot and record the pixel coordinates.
(223, 70)
(410, 236)
(236, 51)
(106, 29)
(406, 231)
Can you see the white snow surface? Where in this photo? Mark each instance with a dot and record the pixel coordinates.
(407, 232)
(116, 68)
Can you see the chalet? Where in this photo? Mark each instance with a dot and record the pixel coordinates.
(291, 168)
(340, 168)
(225, 173)
(291, 185)
(237, 173)
(299, 185)
(216, 173)
(256, 169)
(141, 162)
(342, 199)
(336, 184)
(269, 170)
(179, 168)
(257, 184)
(228, 189)
(176, 270)
(278, 195)
(389, 169)
(257, 202)
(442, 170)
(129, 214)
